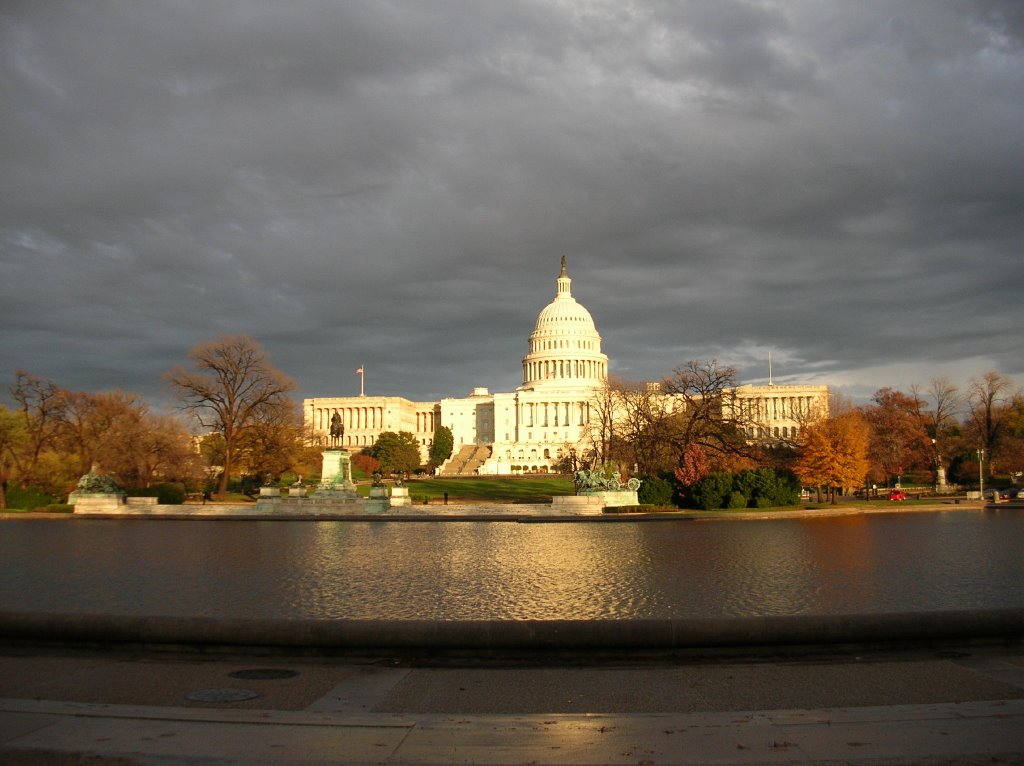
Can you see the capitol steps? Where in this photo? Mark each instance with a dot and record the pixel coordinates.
(467, 460)
(479, 457)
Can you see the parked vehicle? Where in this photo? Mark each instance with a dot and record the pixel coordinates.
(897, 494)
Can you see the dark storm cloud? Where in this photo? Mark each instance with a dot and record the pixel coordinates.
(392, 185)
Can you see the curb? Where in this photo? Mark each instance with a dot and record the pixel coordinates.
(388, 637)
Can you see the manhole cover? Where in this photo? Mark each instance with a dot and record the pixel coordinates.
(221, 695)
(264, 674)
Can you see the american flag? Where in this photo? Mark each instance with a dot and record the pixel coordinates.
(359, 371)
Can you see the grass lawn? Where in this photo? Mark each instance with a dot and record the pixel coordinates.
(499, 490)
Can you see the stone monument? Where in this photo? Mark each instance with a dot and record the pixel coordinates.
(399, 493)
(378, 489)
(336, 492)
(599, 489)
(96, 493)
(336, 473)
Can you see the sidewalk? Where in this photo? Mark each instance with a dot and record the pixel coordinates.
(497, 511)
(122, 708)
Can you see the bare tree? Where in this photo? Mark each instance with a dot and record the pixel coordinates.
(274, 442)
(164, 451)
(103, 428)
(647, 425)
(947, 406)
(988, 410)
(601, 429)
(42, 405)
(704, 411)
(232, 384)
(941, 420)
(12, 441)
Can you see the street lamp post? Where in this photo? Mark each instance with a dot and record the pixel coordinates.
(981, 474)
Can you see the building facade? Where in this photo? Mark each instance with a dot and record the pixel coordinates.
(527, 430)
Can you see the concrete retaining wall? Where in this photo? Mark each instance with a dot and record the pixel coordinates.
(388, 637)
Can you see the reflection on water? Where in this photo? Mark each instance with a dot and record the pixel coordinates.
(502, 570)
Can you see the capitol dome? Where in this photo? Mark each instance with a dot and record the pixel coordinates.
(565, 347)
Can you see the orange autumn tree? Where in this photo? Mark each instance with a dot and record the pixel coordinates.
(834, 454)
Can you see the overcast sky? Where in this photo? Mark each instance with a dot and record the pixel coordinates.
(393, 184)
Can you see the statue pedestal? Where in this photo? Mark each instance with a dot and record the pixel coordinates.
(96, 502)
(577, 504)
(400, 496)
(613, 498)
(337, 469)
(269, 499)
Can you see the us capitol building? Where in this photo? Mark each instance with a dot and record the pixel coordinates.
(564, 373)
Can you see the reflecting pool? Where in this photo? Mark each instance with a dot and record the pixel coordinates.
(505, 570)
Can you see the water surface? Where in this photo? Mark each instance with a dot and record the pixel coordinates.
(504, 570)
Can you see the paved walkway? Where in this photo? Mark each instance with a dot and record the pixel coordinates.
(497, 512)
(118, 709)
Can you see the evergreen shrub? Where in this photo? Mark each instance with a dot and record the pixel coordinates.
(760, 488)
(26, 499)
(712, 491)
(737, 500)
(655, 490)
(171, 493)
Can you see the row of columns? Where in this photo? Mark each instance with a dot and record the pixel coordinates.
(367, 418)
(777, 408)
(550, 414)
(425, 422)
(352, 417)
(586, 369)
(767, 432)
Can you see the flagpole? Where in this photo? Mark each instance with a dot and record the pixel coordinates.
(362, 380)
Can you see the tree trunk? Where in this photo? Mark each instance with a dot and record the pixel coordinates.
(222, 487)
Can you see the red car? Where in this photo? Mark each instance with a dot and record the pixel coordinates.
(897, 494)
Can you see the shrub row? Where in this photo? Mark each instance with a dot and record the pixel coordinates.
(760, 488)
(165, 494)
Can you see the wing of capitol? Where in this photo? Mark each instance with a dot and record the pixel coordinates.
(565, 375)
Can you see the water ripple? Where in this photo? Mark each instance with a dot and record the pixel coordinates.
(501, 570)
